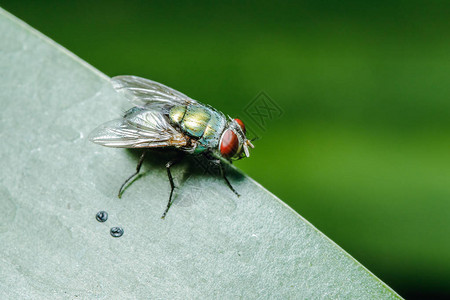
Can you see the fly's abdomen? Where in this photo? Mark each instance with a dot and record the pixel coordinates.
(192, 119)
(195, 120)
(176, 114)
(199, 121)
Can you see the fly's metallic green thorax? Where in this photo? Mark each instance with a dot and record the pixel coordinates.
(200, 122)
(213, 129)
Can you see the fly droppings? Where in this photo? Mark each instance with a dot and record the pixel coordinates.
(101, 216)
(116, 231)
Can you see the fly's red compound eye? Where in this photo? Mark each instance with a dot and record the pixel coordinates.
(241, 124)
(229, 144)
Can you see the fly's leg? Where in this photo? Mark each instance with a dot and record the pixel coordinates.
(138, 168)
(172, 185)
(222, 171)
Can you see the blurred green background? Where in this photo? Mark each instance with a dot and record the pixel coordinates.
(362, 148)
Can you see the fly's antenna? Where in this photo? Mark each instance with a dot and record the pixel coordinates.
(247, 153)
(247, 144)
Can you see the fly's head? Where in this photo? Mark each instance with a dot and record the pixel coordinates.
(233, 143)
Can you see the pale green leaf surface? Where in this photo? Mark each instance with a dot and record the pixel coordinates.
(53, 181)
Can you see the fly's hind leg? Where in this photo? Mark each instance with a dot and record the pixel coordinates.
(222, 171)
(172, 185)
(138, 168)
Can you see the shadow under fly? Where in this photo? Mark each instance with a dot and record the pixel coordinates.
(197, 165)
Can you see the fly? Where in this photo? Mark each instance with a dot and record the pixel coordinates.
(165, 118)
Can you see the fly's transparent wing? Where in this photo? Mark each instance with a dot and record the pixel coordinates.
(147, 93)
(140, 129)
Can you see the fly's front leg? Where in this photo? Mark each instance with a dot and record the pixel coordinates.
(222, 171)
(172, 185)
(138, 168)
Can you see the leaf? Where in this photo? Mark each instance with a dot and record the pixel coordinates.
(53, 182)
